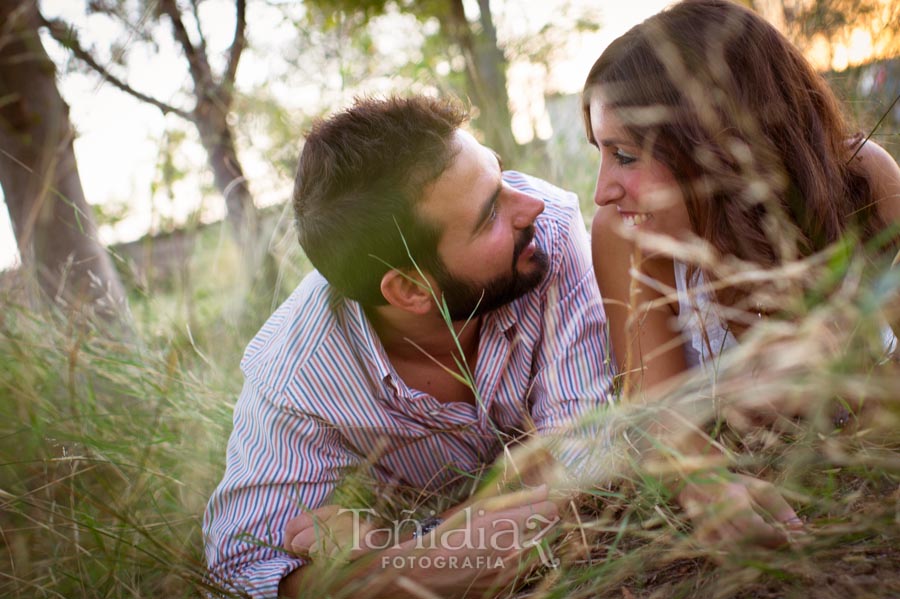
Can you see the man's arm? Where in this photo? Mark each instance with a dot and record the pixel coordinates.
(279, 463)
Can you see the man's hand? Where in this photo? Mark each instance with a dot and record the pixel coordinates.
(329, 532)
(735, 508)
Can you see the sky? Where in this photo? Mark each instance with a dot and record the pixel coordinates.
(118, 137)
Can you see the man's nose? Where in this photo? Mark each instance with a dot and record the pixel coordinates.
(527, 210)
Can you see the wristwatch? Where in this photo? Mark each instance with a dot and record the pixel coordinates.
(426, 526)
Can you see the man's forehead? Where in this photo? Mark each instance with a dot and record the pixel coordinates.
(463, 138)
(471, 167)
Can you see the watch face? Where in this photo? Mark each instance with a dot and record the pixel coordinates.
(427, 525)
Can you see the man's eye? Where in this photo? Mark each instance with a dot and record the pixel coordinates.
(623, 158)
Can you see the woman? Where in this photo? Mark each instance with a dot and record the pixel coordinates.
(714, 131)
(711, 126)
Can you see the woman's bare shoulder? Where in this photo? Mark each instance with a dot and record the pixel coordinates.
(883, 174)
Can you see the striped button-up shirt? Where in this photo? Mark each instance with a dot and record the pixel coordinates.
(321, 397)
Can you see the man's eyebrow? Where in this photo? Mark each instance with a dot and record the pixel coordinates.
(488, 206)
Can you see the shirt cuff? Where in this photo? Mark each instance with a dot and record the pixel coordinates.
(260, 580)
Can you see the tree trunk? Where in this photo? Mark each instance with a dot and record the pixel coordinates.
(259, 268)
(215, 134)
(210, 116)
(485, 75)
(54, 225)
(491, 66)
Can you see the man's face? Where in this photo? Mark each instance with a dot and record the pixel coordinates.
(487, 253)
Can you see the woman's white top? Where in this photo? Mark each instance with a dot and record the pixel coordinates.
(706, 334)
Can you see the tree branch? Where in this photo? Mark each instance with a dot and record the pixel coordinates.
(237, 47)
(195, 9)
(199, 66)
(65, 35)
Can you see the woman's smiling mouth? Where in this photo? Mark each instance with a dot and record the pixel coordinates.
(634, 219)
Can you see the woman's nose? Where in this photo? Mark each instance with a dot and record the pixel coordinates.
(608, 190)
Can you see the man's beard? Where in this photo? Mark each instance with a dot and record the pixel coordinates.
(468, 300)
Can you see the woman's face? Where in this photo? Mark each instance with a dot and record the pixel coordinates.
(643, 190)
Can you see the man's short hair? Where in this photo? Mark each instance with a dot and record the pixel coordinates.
(361, 175)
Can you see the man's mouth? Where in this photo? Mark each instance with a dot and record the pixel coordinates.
(528, 252)
(525, 248)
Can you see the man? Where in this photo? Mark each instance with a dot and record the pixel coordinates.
(453, 309)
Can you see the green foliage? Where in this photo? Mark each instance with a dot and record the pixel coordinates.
(551, 42)
(111, 212)
(108, 451)
(270, 128)
(107, 455)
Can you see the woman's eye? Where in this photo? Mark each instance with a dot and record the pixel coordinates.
(623, 158)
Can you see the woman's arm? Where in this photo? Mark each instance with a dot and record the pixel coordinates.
(883, 174)
(647, 346)
(724, 507)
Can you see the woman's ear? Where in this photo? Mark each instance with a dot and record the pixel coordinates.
(408, 291)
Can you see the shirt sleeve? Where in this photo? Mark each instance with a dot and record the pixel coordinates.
(574, 367)
(279, 463)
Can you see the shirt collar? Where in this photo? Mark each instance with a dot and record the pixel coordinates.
(366, 341)
(504, 317)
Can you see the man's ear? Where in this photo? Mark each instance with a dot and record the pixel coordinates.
(408, 291)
